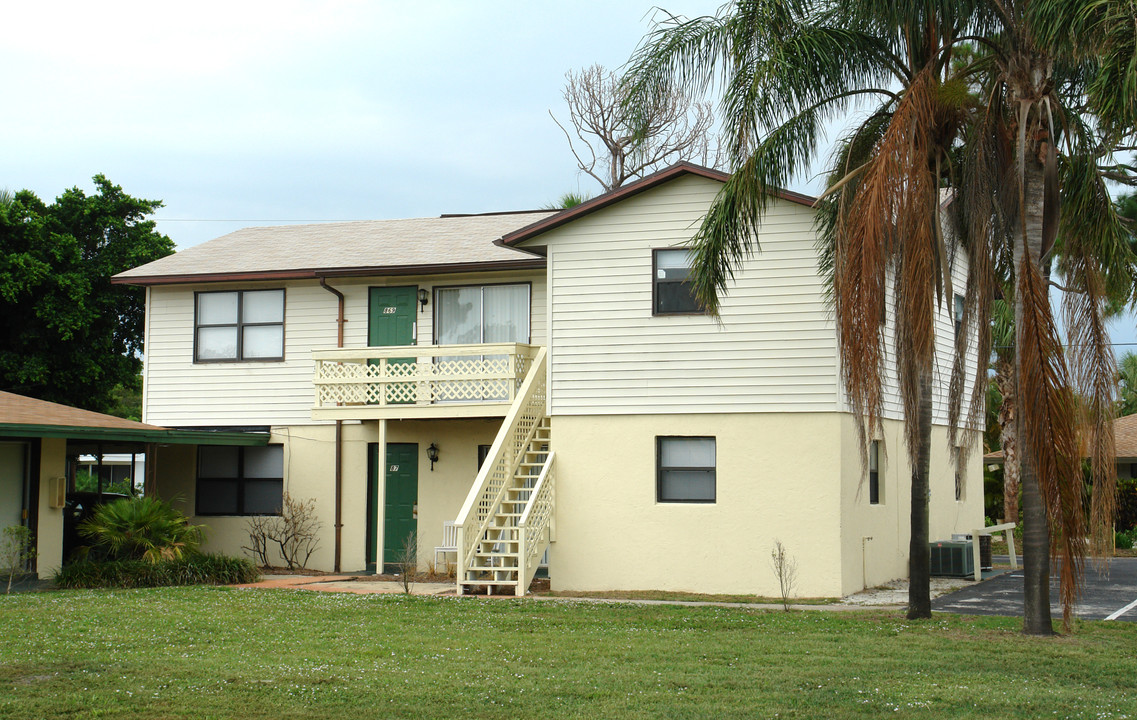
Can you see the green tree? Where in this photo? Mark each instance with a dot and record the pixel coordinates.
(66, 333)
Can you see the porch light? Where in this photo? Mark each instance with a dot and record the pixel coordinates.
(423, 297)
(432, 451)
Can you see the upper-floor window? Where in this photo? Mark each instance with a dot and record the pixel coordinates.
(671, 289)
(239, 325)
(481, 314)
(958, 317)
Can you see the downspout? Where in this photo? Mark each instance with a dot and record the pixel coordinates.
(339, 432)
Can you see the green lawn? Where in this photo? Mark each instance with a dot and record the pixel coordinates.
(223, 653)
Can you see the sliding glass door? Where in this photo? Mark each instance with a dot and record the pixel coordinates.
(480, 314)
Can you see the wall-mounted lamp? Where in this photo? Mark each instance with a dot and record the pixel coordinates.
(432, 455)
(423, 297)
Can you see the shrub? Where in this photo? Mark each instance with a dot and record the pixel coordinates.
(294, 533)
(1123, 540)
(197, 569)
(142, 528)
(16, 550)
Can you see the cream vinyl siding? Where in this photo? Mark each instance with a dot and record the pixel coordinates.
(179, 392)
(945, 351)
(774, 351)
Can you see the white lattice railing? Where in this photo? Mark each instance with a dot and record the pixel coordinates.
(536, 525)
(421, 375)
(506, 453)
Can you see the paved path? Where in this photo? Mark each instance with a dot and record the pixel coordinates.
(1112, 597)
(345, 584)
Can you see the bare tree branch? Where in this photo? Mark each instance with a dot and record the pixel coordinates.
(677, 129)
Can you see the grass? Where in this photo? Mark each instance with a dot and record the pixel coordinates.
(223, 653)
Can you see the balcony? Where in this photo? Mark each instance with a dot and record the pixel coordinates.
(419, 381)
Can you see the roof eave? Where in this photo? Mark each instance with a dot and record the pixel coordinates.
(526, 263)
(668, 174)
(167, 436)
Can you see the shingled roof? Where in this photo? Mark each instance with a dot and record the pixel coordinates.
(1124, 439)
(451, 243)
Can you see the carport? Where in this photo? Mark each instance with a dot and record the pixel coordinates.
(39, 442)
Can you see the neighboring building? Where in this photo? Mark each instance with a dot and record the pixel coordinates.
(655, 447)
(40, 443)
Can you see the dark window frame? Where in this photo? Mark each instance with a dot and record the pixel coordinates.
(239, 325)
(660, 471)
(874, 474)
(655, 283)
(483, 455)
(239, 480)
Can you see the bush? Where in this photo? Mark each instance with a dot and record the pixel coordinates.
(197, 569)
(1123, 541)
(142, 528)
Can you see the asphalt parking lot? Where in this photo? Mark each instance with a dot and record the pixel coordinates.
(1111, 596)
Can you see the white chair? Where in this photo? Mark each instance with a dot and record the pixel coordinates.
(449, 542)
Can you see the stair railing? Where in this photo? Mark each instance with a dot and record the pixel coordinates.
(507, 452)
(535, 530)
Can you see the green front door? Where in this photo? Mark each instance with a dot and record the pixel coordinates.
(391, 319)
(400, 507)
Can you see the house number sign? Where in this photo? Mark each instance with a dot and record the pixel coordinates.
(394, 468)
(389, 310)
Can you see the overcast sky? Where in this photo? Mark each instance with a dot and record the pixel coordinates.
(304, 111)
(251, 113)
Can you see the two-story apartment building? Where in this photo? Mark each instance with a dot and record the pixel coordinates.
(543, 381)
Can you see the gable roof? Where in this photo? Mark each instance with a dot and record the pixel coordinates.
(622, 193)
(22, 416)
(451, 243)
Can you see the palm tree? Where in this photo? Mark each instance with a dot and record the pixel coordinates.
(1050, 211)
(1127, 377)
(786, 67)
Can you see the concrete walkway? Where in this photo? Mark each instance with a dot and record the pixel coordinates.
(344, 584)
(358, 586)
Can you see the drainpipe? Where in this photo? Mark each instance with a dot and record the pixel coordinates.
(340, 320)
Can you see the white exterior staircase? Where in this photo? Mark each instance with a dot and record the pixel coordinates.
(506, 524)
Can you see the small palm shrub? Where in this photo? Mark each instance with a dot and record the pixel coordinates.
(142, 528)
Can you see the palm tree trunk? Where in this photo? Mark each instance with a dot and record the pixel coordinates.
(919, 557)
(1036, 556)
(1008, 422)
(1036, 532)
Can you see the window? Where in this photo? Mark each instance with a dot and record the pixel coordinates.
(958, 314)
(874, 472)
(481, 314)
(239, 325)
(671, 289)
(685, 469)
(483, 453)
(960, 474)
(239, 480)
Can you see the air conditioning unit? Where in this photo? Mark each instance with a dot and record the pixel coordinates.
(952, 559)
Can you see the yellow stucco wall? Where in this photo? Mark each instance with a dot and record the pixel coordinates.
(49, 534)
(776, 479)
(309, 473)
(875, 538)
